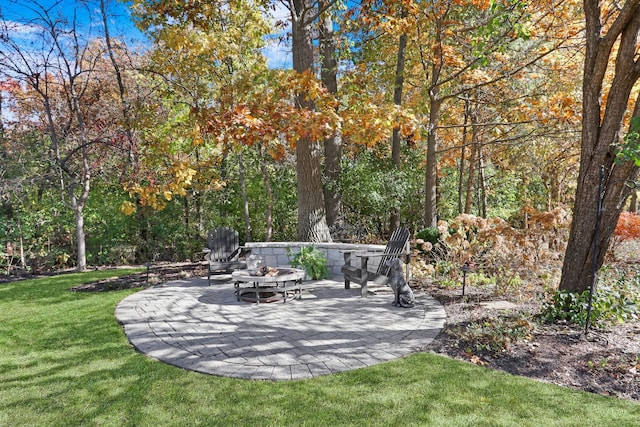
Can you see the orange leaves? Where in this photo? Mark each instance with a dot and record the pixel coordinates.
(478, 4)
(628, 226)
(270, 113)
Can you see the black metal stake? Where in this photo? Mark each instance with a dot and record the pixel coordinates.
(465, 269)
(595, 250)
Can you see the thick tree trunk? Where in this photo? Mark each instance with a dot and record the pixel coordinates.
(333, 144)
(601, 125)
(435, 103)
(312, 219)
(394, 218)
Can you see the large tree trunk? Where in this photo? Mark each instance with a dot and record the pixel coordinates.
(312, 219)
(394, 219)
(435, 103)
(601, 125)
(333, 144)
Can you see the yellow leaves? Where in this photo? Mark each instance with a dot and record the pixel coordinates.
(370, 124)
(166, 184)
(127, 208)
(196, 136)
(478, 4)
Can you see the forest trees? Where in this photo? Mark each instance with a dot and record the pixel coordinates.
(433, 108)
(62, 98)
(245, 104)
(611, 74)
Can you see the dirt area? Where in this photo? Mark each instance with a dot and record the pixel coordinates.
(488, 330)
(158, 273)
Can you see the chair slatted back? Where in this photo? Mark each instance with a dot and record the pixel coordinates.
(224, 243)
(398, 244)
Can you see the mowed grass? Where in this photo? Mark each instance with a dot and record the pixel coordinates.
(65, 361)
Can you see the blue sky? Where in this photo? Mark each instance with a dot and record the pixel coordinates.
(19, 12)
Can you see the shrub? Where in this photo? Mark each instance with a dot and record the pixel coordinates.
(429, 234)
(610, 305)
(627, 228)
(508, 256)
(312, 260)
(495, 335)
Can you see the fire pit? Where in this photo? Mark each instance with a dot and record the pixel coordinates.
(274, 284)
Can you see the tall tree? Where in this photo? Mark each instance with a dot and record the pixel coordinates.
(473, 45)
(611, 71)
(312, 218)
(333, 143)
(63, 94)
(394, 220)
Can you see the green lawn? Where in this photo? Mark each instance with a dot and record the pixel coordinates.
(64, 361)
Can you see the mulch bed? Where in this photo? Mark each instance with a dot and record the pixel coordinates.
(155, 274)
(605, 362)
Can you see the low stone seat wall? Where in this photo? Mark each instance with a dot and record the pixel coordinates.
(275, 253)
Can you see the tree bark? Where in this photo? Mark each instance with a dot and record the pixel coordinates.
(435, 103)
(267, 187)
(473, 162)
(394, 218)
(245, 199)
(601, 125)
(482, 185)
(312, 218)
(333, 144)
(633, 203)
(463, 152)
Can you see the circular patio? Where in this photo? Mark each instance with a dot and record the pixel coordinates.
(330, 329)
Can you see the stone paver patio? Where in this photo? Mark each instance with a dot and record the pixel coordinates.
(331, 329)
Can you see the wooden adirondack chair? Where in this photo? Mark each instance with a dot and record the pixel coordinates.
(223, 252)
(358, 272)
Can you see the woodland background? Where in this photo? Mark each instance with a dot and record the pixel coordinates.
(117, 151)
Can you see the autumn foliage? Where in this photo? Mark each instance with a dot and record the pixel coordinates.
(628, 226)
(499, 252)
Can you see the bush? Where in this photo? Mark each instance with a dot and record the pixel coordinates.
(495, 335)
(312, 260)
(429, 234)
(610, 305)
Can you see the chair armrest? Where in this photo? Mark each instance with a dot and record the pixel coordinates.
(381, 254)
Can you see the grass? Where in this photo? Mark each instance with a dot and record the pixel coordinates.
(65, 361)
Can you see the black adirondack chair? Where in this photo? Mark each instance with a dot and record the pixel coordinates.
(356, 266)
(223, 252)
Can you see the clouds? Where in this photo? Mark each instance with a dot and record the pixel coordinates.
(278, 49)
(278, 54)
(20, 31)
